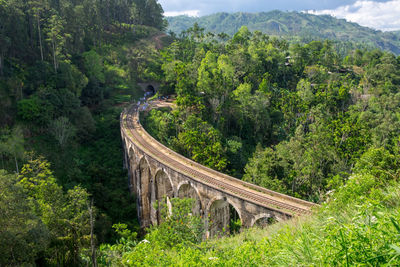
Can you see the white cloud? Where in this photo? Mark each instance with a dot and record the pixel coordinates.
(383, 16)
(190, 13)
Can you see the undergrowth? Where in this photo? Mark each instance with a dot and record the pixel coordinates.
(358, 226)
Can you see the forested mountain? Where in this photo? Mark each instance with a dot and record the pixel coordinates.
(66, 69)
(292, 25)
(41, 43)
(298, 118)
(286, 117)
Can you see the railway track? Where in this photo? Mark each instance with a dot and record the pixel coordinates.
(232, 186)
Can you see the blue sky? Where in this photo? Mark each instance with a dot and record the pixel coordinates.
(378, 14)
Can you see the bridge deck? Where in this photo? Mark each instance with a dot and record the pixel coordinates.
(225, 183)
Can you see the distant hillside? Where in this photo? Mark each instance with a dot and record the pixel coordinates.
(291, 24)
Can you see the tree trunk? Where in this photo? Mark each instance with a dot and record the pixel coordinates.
(31, 31)
(1, 63)
(16, 163)
(92, 244)
(40, 37)
(54, 57)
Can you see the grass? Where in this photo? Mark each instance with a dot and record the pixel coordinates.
(362, 230)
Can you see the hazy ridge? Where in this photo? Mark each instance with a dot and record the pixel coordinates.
(300, 26)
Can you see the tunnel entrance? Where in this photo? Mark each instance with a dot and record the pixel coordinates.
(150, 91)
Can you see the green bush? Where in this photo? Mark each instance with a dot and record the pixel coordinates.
(358, 226)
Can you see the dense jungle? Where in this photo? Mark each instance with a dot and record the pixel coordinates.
(318, 120)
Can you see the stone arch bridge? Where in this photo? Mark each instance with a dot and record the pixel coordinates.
(157, 173)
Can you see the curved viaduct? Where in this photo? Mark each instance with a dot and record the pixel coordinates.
(157, 173)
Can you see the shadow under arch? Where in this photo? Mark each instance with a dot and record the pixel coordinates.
(144, 192)
(187, 190)
(132, 166)
(263, 220)
(223, 216)
(131, 155)
(163, 191)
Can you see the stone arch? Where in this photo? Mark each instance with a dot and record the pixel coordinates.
(143, 158)
(144, 192)
(128, 144)
(131, 166)
(163, 190)
(219, 211)
(131, 153)
(188, 190)
(262, 220)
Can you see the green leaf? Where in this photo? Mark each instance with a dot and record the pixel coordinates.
(395, 224)
(396, 248)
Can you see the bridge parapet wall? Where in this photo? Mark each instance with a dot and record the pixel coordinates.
(152, 177)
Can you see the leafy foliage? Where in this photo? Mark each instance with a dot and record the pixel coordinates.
(40, 221)
(23, 235)
(179, 227)
(66, 216)
(296, 26)
(295, 118)
(66, 68)
(358, 225)
(313, 119)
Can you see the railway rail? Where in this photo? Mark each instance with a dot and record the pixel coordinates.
(260, 196)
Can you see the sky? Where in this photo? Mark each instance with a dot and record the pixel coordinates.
(378, 14)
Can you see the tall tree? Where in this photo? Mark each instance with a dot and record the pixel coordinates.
(66, 215)
(37, 8)
(23, 235)
(13, 146)
(57, 39)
